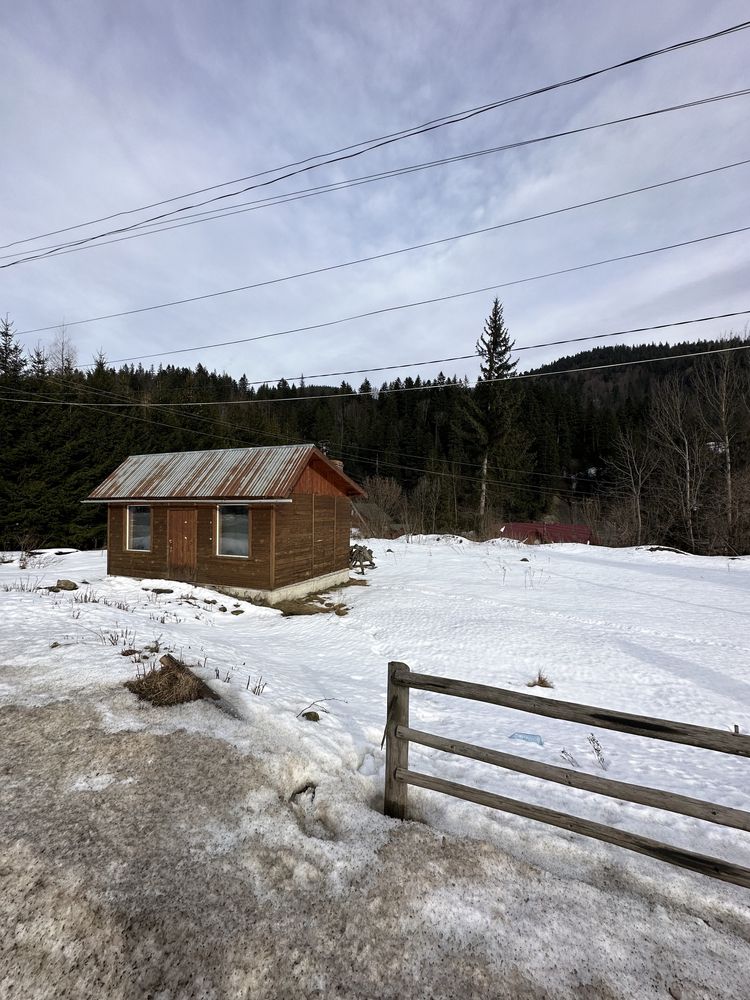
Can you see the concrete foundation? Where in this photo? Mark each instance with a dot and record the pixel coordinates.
(292, 592)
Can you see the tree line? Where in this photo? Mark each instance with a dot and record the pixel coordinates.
(649, 453)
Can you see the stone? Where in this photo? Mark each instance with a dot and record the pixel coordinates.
(311, 716)
(66, 585)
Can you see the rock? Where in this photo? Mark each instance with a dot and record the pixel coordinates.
(222, 608)
(310, 716)
(524, 559)
(66, 585)
(54, 645)
(161, 590)
(675, 990)
(238, 611)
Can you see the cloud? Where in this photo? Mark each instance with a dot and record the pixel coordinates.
(115, 107)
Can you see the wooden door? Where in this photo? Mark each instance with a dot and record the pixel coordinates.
(182, 534)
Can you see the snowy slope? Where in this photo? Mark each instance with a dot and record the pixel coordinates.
(656, 633)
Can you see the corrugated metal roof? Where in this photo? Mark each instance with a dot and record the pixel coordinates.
(228, 474)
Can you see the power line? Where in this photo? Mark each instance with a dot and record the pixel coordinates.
(365, 146)
(525, 347)
(57, 250)
(35, 400)
(388, 392)
(431, 301)
(392, 253)
(501, 469)
(215, 422)
(42, 399)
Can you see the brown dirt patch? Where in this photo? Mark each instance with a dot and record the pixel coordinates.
(135, 864)
(319, 603)
(173, 684)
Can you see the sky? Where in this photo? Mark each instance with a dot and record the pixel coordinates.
(110, 107)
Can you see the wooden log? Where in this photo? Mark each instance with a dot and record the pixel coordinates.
(658, 799)
(396, 750)
(701, 863)
(624, 722)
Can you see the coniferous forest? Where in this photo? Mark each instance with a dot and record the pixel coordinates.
(648, 453)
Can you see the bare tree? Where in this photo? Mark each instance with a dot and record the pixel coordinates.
(424, 501)
(633, 465)
(719, 388)
(385, 506)
(682, 453)
(63, 356)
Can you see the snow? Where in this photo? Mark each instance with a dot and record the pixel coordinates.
(657, 633)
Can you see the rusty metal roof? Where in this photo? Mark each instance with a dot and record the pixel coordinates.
(229, 474)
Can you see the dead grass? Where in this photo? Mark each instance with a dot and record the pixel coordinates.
(319, 603)
(172, 684)
(540, 681)
(311, 605)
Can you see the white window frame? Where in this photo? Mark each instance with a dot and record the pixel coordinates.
(230, 555)
(144, 506)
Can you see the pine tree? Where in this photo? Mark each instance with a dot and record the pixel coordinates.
(12, 361)
(496, 406)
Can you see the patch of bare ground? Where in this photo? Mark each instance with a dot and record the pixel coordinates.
(319, 603)
(142, 865)
(148, 885)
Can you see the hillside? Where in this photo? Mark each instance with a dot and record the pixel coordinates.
(66, 429)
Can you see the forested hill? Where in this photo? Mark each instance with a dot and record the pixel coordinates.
(561, 454)
(624, 354)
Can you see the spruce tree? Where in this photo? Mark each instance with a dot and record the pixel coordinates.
(496, 407)
(12, 361)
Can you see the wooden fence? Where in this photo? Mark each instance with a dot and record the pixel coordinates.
(398, 736)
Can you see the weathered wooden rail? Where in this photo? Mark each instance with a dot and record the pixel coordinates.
(399, 734)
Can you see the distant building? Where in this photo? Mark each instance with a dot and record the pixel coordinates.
(539, 532)
(268, 523)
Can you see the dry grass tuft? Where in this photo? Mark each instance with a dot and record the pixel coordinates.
(312, 604)
(540, 681)
(172, 684)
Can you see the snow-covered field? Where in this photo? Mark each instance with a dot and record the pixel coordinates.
(543, 912)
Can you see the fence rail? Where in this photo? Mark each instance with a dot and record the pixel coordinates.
(399, 734)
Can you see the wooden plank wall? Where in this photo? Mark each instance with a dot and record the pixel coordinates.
(225, 571)
(319, 481)
(139, 564)
(312, 537)
(294, 541)
(229, 571)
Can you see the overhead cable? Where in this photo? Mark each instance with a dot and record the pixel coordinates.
(90, 242)
(365, 146)
(389, 253)
(385, 310)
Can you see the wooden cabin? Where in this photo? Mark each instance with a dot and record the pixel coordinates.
(269, 523)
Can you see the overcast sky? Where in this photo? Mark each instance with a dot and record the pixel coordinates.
(109, 106)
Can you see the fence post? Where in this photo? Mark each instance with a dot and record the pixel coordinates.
(396, 750)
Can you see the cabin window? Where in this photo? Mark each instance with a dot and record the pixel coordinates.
(234, 531)
(139, 529)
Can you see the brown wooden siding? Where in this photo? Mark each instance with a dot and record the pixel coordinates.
(231, 571)
(312, 537)
(121, 562)
(318, 480)
(227, 571)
